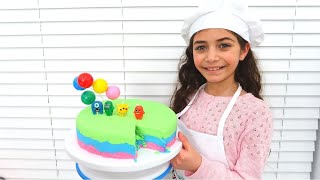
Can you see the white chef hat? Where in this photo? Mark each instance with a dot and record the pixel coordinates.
(227, 14)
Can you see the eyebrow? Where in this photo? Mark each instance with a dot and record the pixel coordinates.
(219, 40)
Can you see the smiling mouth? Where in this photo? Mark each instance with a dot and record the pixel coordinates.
(214, 69)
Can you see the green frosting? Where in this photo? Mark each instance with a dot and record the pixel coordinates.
(158, 121)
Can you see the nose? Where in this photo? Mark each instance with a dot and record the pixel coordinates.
(212, 55)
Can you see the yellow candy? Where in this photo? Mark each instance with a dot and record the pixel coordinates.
(122, 109)
(100, 86)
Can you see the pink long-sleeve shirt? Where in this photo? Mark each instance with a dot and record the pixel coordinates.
(247, 135)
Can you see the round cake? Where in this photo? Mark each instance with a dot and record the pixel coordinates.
(120, 129)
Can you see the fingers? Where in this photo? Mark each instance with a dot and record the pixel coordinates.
(185, 142)
(188, 158)
(177, 162)
(180, 160)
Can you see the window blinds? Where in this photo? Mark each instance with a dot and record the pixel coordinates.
(136, 45)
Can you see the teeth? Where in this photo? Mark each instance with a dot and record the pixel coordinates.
(214, 69)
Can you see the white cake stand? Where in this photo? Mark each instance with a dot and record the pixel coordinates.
(150, 164)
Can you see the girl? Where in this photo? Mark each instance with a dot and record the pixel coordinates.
(226, 127)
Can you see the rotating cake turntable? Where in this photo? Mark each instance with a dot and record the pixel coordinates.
(149, 164)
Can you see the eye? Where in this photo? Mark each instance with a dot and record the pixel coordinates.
(224, 45)
(200, 48)
(96, 105)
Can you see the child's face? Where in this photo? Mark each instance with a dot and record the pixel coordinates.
(216, 54)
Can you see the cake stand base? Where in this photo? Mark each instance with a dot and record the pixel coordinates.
(149, 164)
(159, 172)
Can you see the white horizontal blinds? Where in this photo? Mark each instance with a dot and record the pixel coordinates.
(44, 44)
(289, 59)
(153, 46)
(27, 148)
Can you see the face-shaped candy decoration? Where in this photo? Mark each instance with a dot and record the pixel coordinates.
(97, 107)
(108, 108)
(138, 112)
(122, 109)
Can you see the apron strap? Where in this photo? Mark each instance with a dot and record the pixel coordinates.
(227, 111)
(190, 103)
(222, 123)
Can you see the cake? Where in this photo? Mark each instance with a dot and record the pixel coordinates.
(113, 133)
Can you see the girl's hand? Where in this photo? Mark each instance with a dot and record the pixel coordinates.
(188, 158)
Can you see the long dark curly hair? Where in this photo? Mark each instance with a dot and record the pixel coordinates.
(190, 79)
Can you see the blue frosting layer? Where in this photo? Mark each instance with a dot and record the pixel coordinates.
(106, 146)
(124, 148)
(160, 142)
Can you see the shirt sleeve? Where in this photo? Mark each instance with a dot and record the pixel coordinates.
(253, 151)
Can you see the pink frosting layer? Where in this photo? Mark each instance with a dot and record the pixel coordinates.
(118, 155)
(172, 142)
(159, 148)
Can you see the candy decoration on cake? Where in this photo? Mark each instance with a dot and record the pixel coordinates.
(138, 112)
(113, 92)
(108, 108)
(97, 107)
(76, 85)
(100, 86)
(85, 80)
(88, 97)
(122, 109)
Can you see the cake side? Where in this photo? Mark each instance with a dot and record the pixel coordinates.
(108, 136)
(158, 126)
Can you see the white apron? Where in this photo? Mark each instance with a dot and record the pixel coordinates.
(209, 146)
